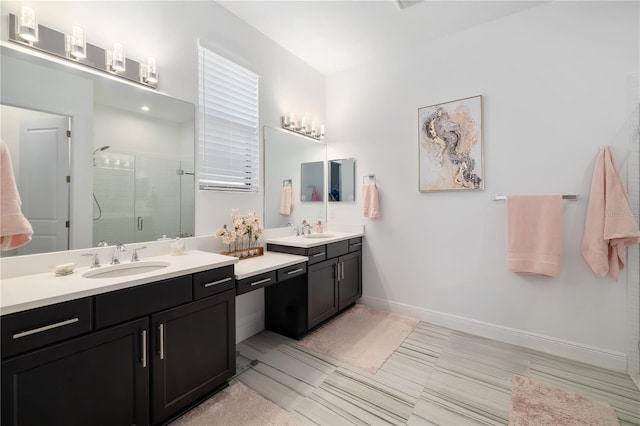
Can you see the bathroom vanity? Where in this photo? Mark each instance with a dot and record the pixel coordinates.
(101, 346)
(139, 354)
(333, 282)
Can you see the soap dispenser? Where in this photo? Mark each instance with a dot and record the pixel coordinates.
(319, 229)
(177, 247)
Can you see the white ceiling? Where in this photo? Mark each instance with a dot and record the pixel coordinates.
(333, 35)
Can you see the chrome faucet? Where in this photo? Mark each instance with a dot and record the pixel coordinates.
(307, 226)
(115, 258)
(95, 263)
(135, 257)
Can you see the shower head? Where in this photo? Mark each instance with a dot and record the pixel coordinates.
(102, 148)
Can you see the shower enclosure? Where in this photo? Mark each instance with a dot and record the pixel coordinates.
(141, 198)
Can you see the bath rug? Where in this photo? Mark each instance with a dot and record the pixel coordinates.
(237, 405)
(539, 404)
(362, 337)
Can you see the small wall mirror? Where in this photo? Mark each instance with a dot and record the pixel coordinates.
(312, 181)
(342, 180)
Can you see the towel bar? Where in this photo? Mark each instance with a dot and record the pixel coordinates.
(571, 197)
(284, 182)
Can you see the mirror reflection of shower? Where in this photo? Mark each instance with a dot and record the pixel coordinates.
(102, 148)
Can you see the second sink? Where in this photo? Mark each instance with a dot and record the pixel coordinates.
(126, 269)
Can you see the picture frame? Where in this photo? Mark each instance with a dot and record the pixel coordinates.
(450, 146)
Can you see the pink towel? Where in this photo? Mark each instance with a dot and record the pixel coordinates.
(609, 226)
(370, 198)
(15, 229)
(315, 195)
(286, 200)
(534, 233)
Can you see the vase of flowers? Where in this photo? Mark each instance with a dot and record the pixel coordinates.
(241, 237)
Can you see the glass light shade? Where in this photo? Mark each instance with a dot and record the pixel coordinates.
(118, 58)
(152, 70)
(78, 48)
(28, 27)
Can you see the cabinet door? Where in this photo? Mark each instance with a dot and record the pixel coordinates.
(194, 352)
(96, 379)
(350, 279)
(322, 292)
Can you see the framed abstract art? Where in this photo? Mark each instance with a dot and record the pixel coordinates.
(450, 146)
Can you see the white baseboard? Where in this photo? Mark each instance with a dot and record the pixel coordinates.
(589, 354)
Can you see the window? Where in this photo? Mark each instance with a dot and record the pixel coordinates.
(229, 148)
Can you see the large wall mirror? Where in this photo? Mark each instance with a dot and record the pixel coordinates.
(130, 156)
(295, 164)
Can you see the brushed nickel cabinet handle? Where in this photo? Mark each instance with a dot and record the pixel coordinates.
(295, 271)
(318, 254)
(224, 280)
(144, 348)
(356, 244)
(342, 270)
(266, 280)
(45, 328)
(161, 332)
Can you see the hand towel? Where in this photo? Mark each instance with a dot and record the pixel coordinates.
(534, 233)
(370, 200)
(286, 200)
(15, 229)
(609, 226)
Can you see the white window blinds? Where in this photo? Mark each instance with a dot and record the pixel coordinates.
(229, 155)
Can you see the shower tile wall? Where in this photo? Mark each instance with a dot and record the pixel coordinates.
(114, 191)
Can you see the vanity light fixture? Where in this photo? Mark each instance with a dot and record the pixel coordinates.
(25, 31)
(28, 26)
(302, 126)
(76, 43)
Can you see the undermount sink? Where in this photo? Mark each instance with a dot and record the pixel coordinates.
(125, 269)
(317, 235)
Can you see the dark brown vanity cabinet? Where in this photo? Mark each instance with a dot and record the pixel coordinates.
(140, 355)
(334, 282)
(101, 378)
(193, 352)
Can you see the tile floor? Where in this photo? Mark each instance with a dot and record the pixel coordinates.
(437, 376)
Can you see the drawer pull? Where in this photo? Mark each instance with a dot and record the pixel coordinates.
(45, 328)
(356, 244)
(161, 332)
(295, 271)
(318, 254)
(144, 348)
(224, 280)
(266, 280)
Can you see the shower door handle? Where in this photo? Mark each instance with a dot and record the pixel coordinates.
(140, 223)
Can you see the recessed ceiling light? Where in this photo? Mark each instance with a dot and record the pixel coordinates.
(145, 108)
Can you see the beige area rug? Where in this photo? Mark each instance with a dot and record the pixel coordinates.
(237, 405)
(538, 404)
(362, 337)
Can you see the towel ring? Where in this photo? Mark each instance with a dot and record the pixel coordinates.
(371, 177)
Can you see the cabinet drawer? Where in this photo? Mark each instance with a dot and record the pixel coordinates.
(123, 305)
(355, 244)
(292, 271)
(38, 327)
(316, 254)
(212, 282)
(337, 249)
(255, 282)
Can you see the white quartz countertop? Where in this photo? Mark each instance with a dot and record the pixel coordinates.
(306, 242)
(33, 291)
(268, 262)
